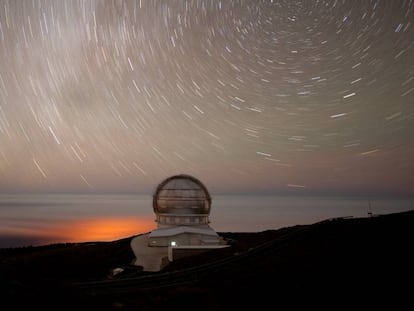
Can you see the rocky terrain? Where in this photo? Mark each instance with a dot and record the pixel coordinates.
(352, 262)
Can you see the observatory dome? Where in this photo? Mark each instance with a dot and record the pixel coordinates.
(181, 194)
(182, 207)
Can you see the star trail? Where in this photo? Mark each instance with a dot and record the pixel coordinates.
(248, 96)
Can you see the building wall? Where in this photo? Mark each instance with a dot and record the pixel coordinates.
(182, 239)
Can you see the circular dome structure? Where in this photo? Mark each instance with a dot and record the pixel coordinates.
(182, 199)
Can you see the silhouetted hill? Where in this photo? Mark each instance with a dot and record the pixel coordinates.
(337, 263)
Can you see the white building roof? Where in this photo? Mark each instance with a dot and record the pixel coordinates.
(163, 232)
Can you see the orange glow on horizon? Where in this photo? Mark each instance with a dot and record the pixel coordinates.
(105, 229)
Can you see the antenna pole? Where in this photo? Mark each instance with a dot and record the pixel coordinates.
(369, 208)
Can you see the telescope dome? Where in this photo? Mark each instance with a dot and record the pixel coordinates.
(181, 194)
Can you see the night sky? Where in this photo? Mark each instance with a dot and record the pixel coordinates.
(312, 97)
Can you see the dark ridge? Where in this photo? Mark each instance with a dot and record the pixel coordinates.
(352, 262)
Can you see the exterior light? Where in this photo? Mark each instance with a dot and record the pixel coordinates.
(173, 243)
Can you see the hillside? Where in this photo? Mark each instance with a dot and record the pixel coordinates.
(341, 261)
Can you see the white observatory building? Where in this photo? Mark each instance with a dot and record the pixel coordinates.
(182, 207)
